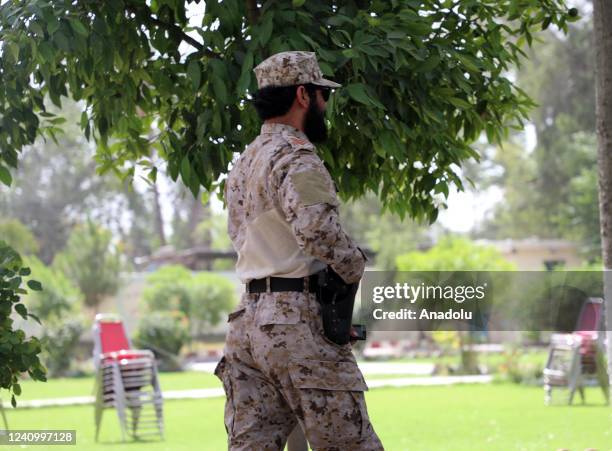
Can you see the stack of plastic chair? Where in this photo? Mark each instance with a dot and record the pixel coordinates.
(127, 380)
(576, 359)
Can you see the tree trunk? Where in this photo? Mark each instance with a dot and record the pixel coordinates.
(159, 222)
(602, 20)
(196, 214)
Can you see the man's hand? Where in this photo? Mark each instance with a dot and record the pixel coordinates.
(353, 334)
(358, 332)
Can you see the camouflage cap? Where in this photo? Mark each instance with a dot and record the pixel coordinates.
(291, 68)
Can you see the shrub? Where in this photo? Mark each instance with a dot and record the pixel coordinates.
(58, 306)
(59, 340)
(17, 354)
(203, 297)
(19, 236)
(211, 295)
(164, 333)
(167, 289)
(59, 297)
(513, 370)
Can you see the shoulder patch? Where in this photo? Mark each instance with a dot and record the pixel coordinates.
(312, 187)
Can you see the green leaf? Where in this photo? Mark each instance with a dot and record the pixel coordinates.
(460, 103)
(186, 170)
(429, 64)
(298, 3)
(265, 31)
(24, 271)
(78, 27)
(5, 176)
(53, 26)
(36, 318)
(13, 401)
(62, 41)
(357, 91)
(13, 49)
(433, 215)
(34, 285)
(245, 76)
(47, 51)
(389, 143)
(22, 310)
(57, 120)
(219, 77)
(441, 187)
(469, 62)
(195, 73)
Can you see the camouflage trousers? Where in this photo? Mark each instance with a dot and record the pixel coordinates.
(279, 368)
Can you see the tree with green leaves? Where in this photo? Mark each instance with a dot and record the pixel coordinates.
(18, 353)
(549, 191)
(91, 262)
(18, 236)
(57, 186)
(421, 81)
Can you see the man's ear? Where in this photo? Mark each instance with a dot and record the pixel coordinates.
(302, 96)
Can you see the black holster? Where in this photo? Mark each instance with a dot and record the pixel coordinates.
(337, 299)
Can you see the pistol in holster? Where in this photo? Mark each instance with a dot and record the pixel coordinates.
(337, 299)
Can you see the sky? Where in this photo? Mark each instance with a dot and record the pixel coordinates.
(466, 209)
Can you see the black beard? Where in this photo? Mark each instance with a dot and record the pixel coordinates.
(314, 124)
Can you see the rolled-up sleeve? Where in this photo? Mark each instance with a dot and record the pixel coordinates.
(306, 195)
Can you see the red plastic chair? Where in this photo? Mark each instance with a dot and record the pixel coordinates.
(126, 379)
(577, 357)
(111, 342)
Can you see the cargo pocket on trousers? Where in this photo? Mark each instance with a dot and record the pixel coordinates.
(222, 372)
(235, 314)
(331, 399)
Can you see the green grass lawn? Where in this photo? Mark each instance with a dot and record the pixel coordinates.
(465, 417)
(83, 386)
(492, 360)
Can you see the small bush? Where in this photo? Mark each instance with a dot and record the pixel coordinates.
(211, 295)
(513, 370)
(164, 333)
(59, 340)
(58, 307)
(166, 289)
(203, 297)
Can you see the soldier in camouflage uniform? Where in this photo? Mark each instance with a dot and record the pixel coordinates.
(278, 366)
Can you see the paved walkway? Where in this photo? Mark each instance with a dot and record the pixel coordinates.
(202, 393)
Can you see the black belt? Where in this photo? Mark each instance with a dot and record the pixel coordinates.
(308, 283)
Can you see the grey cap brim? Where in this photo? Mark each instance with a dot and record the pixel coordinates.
(326, 82)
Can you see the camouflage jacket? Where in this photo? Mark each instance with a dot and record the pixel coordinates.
(283, 210)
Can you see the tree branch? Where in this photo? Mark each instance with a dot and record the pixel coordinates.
(172, 28)
(252, 11)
